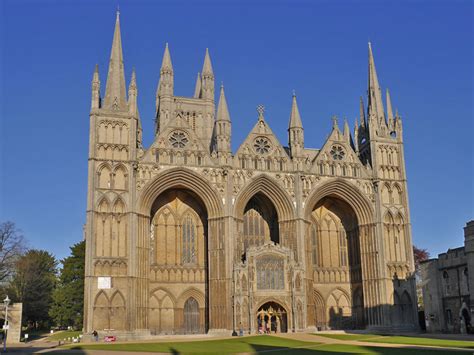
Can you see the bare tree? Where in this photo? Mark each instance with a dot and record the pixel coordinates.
(12, 245)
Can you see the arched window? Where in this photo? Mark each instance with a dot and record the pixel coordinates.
(314, 243)
(189, 240)
(342, 248)
(191, 316)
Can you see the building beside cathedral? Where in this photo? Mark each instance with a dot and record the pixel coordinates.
(187, 236)
(448, 283)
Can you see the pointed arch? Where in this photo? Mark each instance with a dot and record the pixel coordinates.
(117, 299)
(101, 299)
(345, 191)
(120, 177)
(267, 186)
(180, 178)
(397, 195)
(385, 193)
(104, 176)
(119, 205)
(188, 293)
(103, 206)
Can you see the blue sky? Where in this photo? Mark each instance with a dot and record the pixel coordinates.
(262, 50)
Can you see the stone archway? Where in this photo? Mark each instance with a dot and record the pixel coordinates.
(340, 225)
(182, 179)
(271, 317)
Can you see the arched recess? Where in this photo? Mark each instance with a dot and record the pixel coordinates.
(103, 239)
(104, 175)
(199, 190)
(269, 187)
(339, 217)
(180, 178)
(265, 192)
(119, 238)
(320, 310)
(118, 319)
(162, 312)
(101, 312)
(120, 177)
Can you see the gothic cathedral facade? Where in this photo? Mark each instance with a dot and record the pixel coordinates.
(186, 236)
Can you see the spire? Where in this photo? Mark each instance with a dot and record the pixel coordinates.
(115, 98)
(207, 66)
(95, 102)
(197, 89)
(295, 118)
(222, 127)
(132, 94)
(166, 84)
(166, 62)
(222, 110)
(362, 112)
(389, 111)
(347, 132)
(356, 135)
(207, 75)
(375, 104)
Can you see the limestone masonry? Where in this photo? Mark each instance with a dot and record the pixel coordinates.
(186, 236)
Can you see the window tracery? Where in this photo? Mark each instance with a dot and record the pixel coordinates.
(270, 273)
(178, 139)
(337, 152)
(262, 145)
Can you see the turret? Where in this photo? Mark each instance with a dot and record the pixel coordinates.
(222, 125)
(295, 130)
(207, 76)
(166, 84)
(115, 95)
(95, 100)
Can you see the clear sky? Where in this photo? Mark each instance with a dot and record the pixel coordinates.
(261, 50)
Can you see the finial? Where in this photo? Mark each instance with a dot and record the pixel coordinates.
(96, 69)
(118, 11)
(334, 121)
(260, 110)
(166, 45)
(222, 84)
(294, 93)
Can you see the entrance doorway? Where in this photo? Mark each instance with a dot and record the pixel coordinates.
(272, 318)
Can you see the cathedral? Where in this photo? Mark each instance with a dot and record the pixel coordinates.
(186, 236)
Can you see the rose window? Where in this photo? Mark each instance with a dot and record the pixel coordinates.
(262, 145)
(337, 152)
(178, 139)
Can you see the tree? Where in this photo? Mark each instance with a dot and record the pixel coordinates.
(419, 255)
(68, 297)
(33, 284)
(12, 246)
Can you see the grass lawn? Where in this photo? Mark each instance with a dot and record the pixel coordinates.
(64, 334)
(349, 336)
(423, 341)
(257, 344)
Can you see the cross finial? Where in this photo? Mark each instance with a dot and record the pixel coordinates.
(334, 121)
(260, 110)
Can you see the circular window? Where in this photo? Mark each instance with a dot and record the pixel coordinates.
(337, 152)
(178, 139)
(262, 145)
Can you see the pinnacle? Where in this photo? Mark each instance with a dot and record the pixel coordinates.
(166, 63)
(222, 109)
(295, 118)
(207, 66)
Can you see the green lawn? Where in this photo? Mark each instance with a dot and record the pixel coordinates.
(257, 344)
(423, 341)
(64, 334)
(349, 336)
